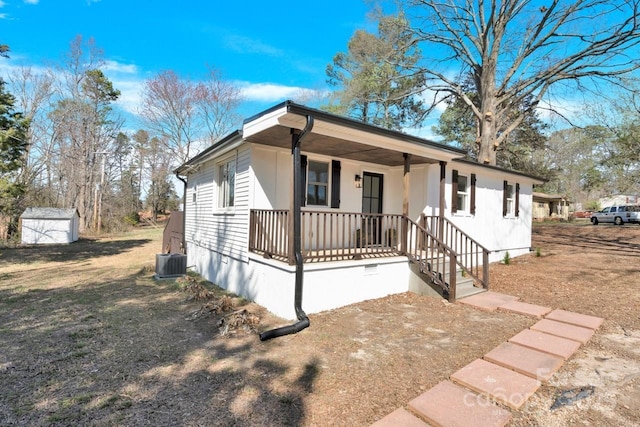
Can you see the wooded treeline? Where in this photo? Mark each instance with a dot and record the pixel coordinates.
(491, 67)
(68, 146)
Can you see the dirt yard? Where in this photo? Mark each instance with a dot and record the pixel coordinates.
(87, 337)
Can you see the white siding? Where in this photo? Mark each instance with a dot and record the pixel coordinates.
(495, 232)
(48, 231)
(219, 230)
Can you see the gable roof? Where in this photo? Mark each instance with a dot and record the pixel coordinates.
(49, 213)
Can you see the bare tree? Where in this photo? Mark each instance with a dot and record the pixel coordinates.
(84, 130)
(217, 101)
(34, 92)
(516, 49)
(169, 107)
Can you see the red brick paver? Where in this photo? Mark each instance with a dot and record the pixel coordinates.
(400, 418)
(564, 330)
(577, 319)
(488, 301)
(525, 308)
(546, 343)
(447, 404)
(498, 383)
(527, 361)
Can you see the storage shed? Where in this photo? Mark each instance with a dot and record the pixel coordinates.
(49, 226)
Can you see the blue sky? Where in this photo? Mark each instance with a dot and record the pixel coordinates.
(272, 49)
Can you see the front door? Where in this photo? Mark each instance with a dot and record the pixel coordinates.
(372, 204)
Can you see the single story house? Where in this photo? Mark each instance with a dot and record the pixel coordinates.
(49, 226)
(381, 212)
(550, 206)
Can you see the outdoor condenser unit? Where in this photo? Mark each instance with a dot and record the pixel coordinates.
(170, 265)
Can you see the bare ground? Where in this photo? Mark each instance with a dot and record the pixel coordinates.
(87, 337)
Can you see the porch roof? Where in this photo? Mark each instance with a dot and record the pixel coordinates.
(338, 136)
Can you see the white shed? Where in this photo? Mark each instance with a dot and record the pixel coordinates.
(49, 226)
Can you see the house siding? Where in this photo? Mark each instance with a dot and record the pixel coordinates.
(488, 226)
(207, 226)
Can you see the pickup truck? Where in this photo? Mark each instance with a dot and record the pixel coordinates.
(617, 215)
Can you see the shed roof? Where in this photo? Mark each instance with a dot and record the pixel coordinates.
(49, 213)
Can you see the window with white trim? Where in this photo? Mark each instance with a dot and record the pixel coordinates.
(510, 198)
(227, 183)
(463, 193)
(317, 183)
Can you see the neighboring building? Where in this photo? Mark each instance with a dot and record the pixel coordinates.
(547, 206)
(384, 212)
(49, 226)
(619, 200)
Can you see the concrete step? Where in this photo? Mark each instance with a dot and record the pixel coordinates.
(497, 383)
(447, 404)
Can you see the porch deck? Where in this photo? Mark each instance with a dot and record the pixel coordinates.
(439, 248)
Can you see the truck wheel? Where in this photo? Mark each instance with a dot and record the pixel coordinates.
(618, 221)
(594, 221)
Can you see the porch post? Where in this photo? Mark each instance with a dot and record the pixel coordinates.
(443, 175)
(405, 202)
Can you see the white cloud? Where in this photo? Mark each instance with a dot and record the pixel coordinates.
(242, 44)
(268, 92)
(32, 1)
(116, 67)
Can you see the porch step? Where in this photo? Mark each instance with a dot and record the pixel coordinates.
(465, 288)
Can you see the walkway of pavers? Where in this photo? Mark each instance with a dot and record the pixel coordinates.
(508, 374)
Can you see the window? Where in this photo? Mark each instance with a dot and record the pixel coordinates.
(463, 193)
(227, 183)
(511, 199)
(317, 183)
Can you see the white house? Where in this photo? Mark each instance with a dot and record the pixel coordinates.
(49, 225)
(382, 212)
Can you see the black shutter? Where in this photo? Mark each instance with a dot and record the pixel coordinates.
(303, 172)
(517, 199)
(473, 194)
(335, 183)
(454, 191)
(504, 198)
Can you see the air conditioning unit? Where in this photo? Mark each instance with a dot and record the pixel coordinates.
(170, 265)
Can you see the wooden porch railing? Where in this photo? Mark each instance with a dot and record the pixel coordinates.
(434, 257)
(436, 245)
(326, 236)
(473, 258)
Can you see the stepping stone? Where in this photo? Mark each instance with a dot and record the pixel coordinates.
(546, 343)
(400, 417)
(498, 383)
(489, 301)
(577, 319)
(527, 361)
(564, 330)
(525, 308)
(447, 404)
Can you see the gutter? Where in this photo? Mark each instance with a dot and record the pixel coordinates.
(303, 320)
(184, 212)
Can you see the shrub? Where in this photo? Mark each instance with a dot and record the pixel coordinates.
(507, 258)
(132, 218)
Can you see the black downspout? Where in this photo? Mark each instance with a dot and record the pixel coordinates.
(184, 214)
(303, 320)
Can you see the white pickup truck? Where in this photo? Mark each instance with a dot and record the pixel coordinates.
(617, 215)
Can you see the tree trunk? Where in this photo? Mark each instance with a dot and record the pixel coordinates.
(488, 120)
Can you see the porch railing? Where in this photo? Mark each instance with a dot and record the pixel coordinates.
(326, 236)
(434, 257)
(473, 258)
(436, 245)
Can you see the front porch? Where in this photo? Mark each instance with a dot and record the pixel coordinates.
(442, 253)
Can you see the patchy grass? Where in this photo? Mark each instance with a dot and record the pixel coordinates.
(88, 337)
